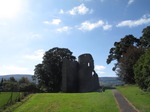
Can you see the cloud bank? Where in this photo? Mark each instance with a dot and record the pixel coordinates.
(133, 23)
(99, 69)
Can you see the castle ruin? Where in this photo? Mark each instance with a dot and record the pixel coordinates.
(79, 77)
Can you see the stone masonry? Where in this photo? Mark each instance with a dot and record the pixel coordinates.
(79, 77)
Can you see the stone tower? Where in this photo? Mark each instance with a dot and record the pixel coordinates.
(88, 79)
(79, 76)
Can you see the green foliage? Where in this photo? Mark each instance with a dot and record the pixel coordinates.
(12, 79)
(142, 71)
(122, 52)
(145, 39)
(121, 47)
(49, 72)
(137, 97)
(70, 102)
(125, 66)
(126, 53)
(23, 85)
(24, 80)
(10, 86)
(29, 87)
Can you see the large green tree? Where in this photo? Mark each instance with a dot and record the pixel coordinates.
(120, 48)
(127, 52)
(142, 71)
(145, 38)
(126, 63)
(49, 73)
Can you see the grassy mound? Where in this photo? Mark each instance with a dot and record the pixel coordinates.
(70, 102)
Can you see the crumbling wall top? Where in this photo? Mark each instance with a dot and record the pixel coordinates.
(86, 60)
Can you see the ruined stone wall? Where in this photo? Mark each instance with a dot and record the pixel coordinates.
(69, 76)
(79, 76)
(87, 76)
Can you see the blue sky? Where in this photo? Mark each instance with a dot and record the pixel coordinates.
(28, 28)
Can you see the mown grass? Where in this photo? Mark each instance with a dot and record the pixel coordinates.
(70, 102)
(5, 97)
(140, 99)
(8, 99)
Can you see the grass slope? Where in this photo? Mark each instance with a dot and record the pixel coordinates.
(140, 99)
(5, 97)
(70, 102)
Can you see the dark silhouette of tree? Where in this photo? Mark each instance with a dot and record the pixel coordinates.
(145, 38)
(120, 48)
(1, 84)
(49, 73)
(24, 80)
(126, 63)
(12, 79)
(142, 71)
(2, 80)
(10, 86)
(29, 87)
(127, 52)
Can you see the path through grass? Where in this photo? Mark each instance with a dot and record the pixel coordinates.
(140, 99)
(70, 102)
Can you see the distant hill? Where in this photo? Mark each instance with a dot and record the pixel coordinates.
(17, 76)
(110, 81)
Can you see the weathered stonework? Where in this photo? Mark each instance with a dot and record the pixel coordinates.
(79, 76)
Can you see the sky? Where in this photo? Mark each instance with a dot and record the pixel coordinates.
(28, 28)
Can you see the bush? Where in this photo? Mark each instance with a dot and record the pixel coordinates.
(142, 71)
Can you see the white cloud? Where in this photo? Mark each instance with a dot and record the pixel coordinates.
(37, 55)
(107, 27)
(61, 11)
(133, 23)
(54, 22)
(130, 2)
(64, 29)
(47, 22)
(87, 26)
(12, 69)
(81, 9)
(99, 69)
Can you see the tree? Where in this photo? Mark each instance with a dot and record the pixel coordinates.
(24, 80)
(145, 38)
(127, 52)
(49, 72)
(29, 87)
(120, 48)
(142, 71)
(10, 86)
(12, 79)
(1, 85)
(126, 63)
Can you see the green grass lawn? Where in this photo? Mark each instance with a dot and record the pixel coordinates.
(70, 102)
(5, 97)
(140, 99)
